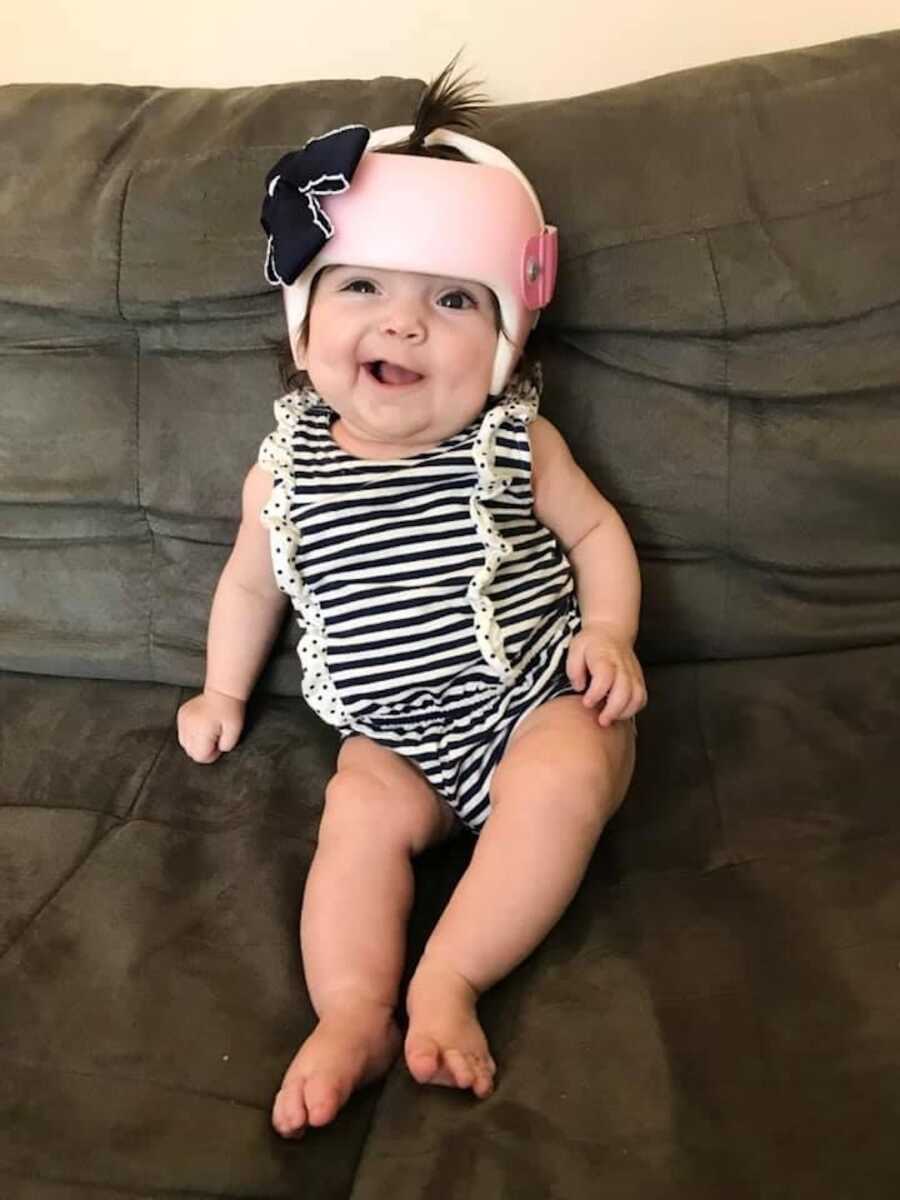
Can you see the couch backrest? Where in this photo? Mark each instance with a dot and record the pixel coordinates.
(723, 353)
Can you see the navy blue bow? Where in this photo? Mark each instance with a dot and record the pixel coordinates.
(296, 223)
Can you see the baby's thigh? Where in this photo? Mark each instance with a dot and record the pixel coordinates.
(560, 755)
(379, 794)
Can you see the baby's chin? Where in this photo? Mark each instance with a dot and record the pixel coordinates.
(405, 426)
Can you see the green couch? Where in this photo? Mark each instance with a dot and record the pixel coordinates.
(717, 1017)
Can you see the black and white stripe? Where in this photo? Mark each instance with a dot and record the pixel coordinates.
(386, 552)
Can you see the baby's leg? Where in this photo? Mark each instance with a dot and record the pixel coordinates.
(379, 813)
(560, 780)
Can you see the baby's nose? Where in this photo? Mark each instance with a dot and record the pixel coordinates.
(404, 321)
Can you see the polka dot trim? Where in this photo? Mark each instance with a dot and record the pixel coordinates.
(518, 406)
(275, 456)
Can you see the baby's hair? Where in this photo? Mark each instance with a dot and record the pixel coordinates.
(449, 102)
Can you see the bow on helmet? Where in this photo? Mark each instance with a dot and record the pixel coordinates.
(297, 225)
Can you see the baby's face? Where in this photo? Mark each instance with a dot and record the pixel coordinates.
(405, 359)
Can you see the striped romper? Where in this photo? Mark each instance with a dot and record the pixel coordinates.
(436, 610)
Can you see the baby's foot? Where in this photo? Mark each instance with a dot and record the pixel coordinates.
(349, 1047)
(445, 1043)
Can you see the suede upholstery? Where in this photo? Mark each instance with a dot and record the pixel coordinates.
(716, 1016)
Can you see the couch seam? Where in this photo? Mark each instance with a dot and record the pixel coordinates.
(148, 523)
(164, 742)
(186, 826)
(100, 1188)
(726, 556)
(570, 333)
(116, 822)
(649, 233)
(136, 334)
(142, 509)
(125, 188)
(724, 840)
(120, 1077)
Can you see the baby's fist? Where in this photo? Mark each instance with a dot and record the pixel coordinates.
(210, 725)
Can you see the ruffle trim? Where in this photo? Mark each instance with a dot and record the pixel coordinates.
(284, 539)
(519, 403)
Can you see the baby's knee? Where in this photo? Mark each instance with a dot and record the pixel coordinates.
(355, 800)
(361, 806)
(586, 787)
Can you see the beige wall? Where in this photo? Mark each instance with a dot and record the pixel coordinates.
(523, 49)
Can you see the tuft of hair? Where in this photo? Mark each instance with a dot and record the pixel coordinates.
(451, 101)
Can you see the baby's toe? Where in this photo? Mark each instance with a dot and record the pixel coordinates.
(289, 1115)
(460, 1067)
(484, 1077)
(423, 1057)
(323, 1099)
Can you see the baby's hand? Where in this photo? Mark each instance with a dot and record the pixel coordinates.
(599, 652)
(210, 724)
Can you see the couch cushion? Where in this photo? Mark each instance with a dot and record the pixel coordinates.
(137, 341)
(722, 354)
(729, 960)
(694, 1034)
(685, 1037)
(151, 988)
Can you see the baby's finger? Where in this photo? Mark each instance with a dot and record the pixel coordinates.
(637, 701)
(618, 701)
(603, 673)
(576, 668)
(231, 731)
(204, 747)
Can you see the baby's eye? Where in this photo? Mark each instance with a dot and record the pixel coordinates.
(457, 299)
(359, 285)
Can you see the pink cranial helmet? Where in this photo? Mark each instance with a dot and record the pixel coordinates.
(337, 202)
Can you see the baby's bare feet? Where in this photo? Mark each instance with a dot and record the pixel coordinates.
(445, 1043)
(350, 1047)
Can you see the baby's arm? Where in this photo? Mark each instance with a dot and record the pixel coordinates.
(607, 577)
(247, 610)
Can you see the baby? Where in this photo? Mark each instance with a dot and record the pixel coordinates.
(469, 600)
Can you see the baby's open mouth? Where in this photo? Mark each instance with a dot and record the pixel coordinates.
(391, 373)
